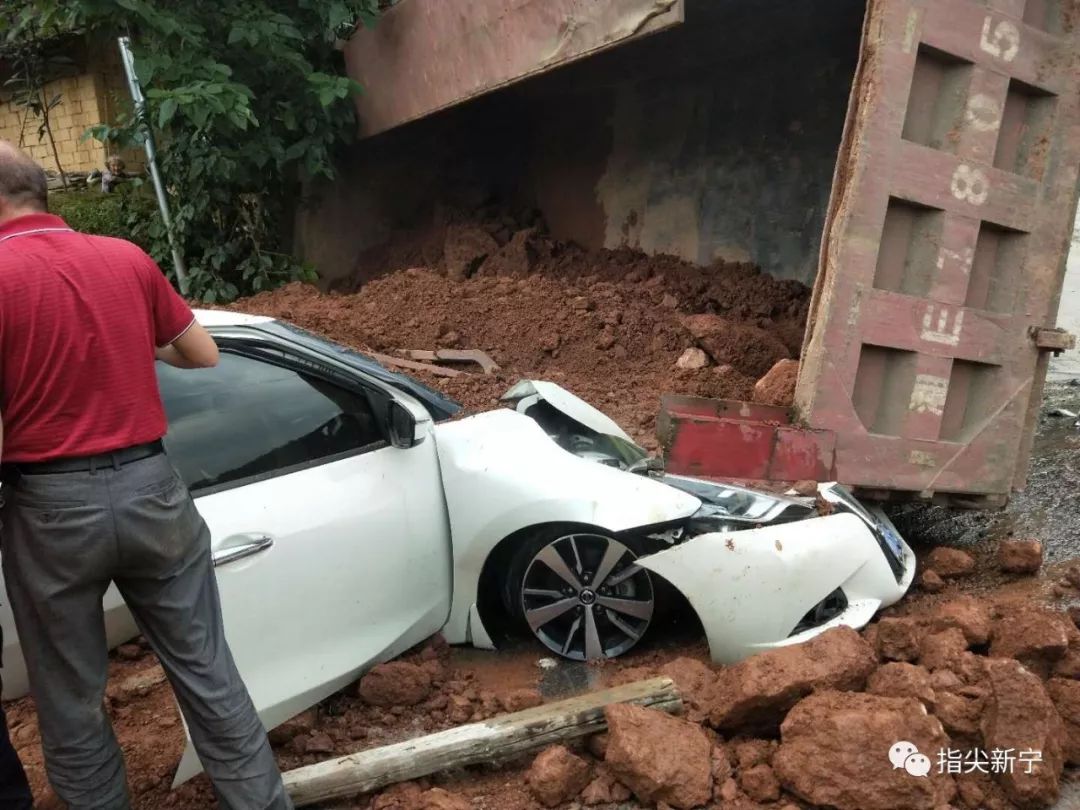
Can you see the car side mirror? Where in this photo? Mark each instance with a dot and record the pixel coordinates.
(401, 426)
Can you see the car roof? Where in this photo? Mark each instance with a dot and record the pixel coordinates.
(225, 317)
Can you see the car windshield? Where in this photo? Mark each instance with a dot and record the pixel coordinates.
(438, 404)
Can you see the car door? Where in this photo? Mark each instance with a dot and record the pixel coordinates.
(331, 546)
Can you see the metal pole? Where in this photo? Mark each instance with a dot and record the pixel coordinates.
(151, 156)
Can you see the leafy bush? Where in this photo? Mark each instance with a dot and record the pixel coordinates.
(249, 98)
(122, 213)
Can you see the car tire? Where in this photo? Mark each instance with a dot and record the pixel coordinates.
(579, 593)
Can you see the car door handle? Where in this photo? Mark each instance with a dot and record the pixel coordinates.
(234, 553)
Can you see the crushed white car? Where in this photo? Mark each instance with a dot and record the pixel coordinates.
(352, 515)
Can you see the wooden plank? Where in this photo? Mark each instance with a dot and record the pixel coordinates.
(412, 365)
(497, 739)
(477, 356)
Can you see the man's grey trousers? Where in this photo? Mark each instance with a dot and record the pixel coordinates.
(65, 537)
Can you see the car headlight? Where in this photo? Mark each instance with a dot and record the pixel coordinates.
(729, 508)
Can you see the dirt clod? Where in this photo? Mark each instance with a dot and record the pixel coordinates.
(1020, 556)
(660, 758)
(604, 789)
(466, 246)
(695, 681)
(950, 562)
(398, 683)
(931, 582)
(557, 776)
(691, 359)
(777, 387)
(760, 783)
(968, 614)
(439, 799)
(520, 699)
(897, 639)
(748, 348)
(941, 650)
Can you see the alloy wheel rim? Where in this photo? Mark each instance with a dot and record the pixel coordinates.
(585, 598)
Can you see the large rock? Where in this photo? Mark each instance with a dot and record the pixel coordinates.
(695, 681)
(942, 650)
(751, 350)
(691, 359)
(777, 387)
(834, 752)
(1065, 693)
(897, 639)
(398, 683)
(968, 614)
(950, 562)
(660, 758)
(1020, 715)
(758, 691)
(1020, 556)
(960, 711)
(900, 679)
(557, 776)
(1036, 637)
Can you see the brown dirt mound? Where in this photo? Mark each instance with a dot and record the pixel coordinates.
(607, 325)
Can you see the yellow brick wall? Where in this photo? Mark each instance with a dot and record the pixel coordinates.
(94, 97)
(78, 109)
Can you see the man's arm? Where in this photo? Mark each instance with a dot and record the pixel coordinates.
(195, 348)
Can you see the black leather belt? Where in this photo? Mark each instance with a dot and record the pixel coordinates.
(116, 459)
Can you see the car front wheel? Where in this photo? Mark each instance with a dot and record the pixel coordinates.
(581, 593)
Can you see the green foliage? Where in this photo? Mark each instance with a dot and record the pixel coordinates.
(122, 213)
(32, 60)
(248, 97)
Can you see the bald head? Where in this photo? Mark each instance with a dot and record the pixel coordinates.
(23, 189)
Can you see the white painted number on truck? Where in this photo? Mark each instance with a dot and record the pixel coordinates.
(970, 184)
(983, 113)
(942, 325)
(1001, 40)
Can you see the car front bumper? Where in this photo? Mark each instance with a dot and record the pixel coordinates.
(751, 589)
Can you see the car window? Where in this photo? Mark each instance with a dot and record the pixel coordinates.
(248, 417)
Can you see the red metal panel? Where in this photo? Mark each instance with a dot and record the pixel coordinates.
(426, 55)
(741, 441)
(945, 243)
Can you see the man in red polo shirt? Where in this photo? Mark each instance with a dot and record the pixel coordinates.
(90, 498)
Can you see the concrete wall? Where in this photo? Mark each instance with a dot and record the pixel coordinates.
(715, 139)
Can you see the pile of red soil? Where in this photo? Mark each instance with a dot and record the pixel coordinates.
(607, 325)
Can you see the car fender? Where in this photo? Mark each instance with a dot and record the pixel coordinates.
(751, 588)
(502, 473)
